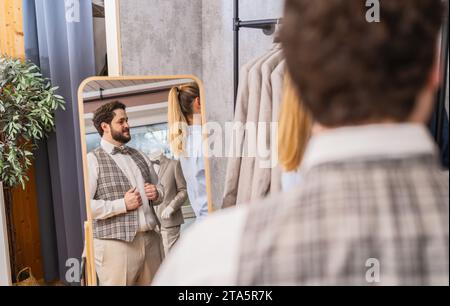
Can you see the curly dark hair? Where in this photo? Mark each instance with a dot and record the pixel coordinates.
(105, 113)
(350, 71)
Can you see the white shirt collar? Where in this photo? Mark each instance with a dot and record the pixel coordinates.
(107, 146)
(387, 140)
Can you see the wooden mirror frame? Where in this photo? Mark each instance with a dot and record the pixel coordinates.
(91, 277)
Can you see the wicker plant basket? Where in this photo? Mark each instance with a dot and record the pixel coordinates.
(25, 278)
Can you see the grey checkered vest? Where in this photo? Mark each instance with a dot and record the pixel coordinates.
(112, 184)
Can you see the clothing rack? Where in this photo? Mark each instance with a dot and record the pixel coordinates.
(268, 27)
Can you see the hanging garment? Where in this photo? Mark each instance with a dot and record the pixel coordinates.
(234, 161)
(250, 140)
(240, 117)
(263, 161)
(277, 78)
(171, 177)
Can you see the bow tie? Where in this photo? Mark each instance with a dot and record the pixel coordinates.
(122, 150)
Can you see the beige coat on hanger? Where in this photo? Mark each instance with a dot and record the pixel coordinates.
(277, 97)
(171, 177)
(248, 161)
(234, 161)
(266, 143)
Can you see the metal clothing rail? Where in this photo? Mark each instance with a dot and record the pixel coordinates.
(268, 27)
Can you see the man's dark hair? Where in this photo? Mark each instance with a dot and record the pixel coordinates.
(349, 71)
(105, 113)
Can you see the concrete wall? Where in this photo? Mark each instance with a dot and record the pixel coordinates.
(194, 37)
(161, 37)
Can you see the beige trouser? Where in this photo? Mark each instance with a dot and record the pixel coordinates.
(170, 235)
(120, 263)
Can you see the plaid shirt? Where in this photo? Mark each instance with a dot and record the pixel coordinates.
(369, 220)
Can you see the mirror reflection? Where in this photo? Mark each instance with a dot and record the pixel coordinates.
(146, 172)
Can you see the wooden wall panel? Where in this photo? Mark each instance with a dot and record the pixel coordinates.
(11, 28)
(26, 225)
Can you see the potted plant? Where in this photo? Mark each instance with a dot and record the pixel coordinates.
(27, 106)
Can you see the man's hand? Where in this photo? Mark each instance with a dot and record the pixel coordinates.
(167, 213)
(151, 192)
(132, 199)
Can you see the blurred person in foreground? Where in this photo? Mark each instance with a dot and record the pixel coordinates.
(373, 207)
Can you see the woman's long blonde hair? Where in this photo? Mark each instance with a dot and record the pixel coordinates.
(180, 114)
(295, 126)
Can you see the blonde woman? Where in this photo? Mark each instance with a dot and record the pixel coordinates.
(294, 132)
(185, 136)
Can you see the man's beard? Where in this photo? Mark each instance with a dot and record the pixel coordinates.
(120, 137)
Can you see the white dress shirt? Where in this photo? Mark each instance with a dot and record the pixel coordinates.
(209, 253)
(102, 209)
(289, 180)
(156, 167)
(193, 166)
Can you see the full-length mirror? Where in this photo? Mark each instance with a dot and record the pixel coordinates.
(146, 172)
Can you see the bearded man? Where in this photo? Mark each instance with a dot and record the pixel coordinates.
(122, 182)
